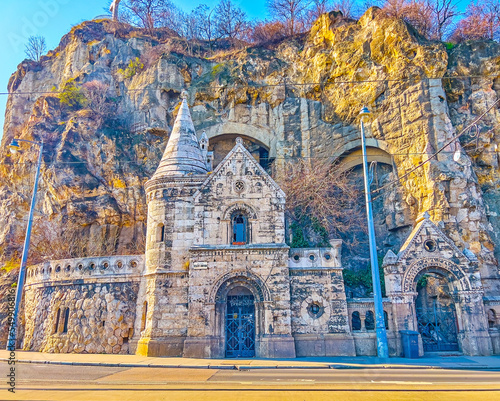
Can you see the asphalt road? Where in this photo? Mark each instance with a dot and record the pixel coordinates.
(56, 382)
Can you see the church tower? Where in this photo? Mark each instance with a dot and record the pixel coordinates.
(170, 231)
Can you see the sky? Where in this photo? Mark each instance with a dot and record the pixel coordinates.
(52, 19)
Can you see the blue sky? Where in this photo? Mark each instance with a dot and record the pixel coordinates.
(54, 18)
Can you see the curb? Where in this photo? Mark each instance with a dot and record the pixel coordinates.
(254, 367)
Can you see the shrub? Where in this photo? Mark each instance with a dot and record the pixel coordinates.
(134, 66)
(72, 96)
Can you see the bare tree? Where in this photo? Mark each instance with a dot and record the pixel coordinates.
(346, 7)
(432, 18)
(319, 196)
(290, 12)
(231, 21)
(207, 25)
(445, 12)
(395, 8)
(96, 94)
(482, 21)
(35, 48)
(150, 13)
(265, 31)
(419, 14)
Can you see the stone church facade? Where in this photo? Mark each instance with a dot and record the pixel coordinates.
(218, 279)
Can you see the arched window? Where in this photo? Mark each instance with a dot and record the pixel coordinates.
(160, 234)
(144, 315)
(386, 320)
(356, 321)
(58, 316)
(369, 320)
(491, 318)
(240, 228)
(66, 320)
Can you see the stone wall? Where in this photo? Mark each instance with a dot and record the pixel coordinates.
(318, 303)
(365, 338)
(83, 305)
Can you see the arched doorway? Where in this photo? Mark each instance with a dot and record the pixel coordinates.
(240, 323)
(436, 314)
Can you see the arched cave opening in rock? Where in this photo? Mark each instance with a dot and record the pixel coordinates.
(391, 217)
(222, 144)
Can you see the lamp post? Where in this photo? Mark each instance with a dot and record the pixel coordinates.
(382, 347)
(11, 342)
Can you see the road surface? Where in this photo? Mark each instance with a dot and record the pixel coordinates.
(66, 382)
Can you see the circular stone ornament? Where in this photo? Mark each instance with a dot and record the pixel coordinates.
(315, 310)
(239, 186)
(430, 245)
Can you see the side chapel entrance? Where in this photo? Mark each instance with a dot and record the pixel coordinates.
(436, 314)
(240, 323)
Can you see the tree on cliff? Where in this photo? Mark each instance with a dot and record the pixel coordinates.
(149, 13)
(231, 21)
(433, 19)
(265, 31)
(35, 48)
(482, 21)
(291, 13)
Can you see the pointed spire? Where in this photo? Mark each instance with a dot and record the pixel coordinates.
(182, 155)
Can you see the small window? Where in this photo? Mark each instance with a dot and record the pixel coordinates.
(56, 325)
(386, 320)
(66, 320)
(356, 321)
(369, 320)
(160, 236)
(315, 310)
(144, 315)
(239, 229)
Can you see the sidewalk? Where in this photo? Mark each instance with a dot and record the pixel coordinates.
(337, 362)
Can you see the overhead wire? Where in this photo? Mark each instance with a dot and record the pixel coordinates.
(282, 83)
(285, 82)
(440, 150)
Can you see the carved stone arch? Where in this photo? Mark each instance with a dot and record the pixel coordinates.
(352, 156)
(250, 211)
(441, 266)
(239, 278)
(356, 143)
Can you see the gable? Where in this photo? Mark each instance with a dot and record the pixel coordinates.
(239, 173)
(427, 240)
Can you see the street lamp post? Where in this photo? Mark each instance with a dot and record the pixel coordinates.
(382, 347)
(11, 342)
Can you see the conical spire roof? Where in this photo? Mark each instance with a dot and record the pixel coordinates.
(183, 154)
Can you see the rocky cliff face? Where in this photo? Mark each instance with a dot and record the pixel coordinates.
(296, 98)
